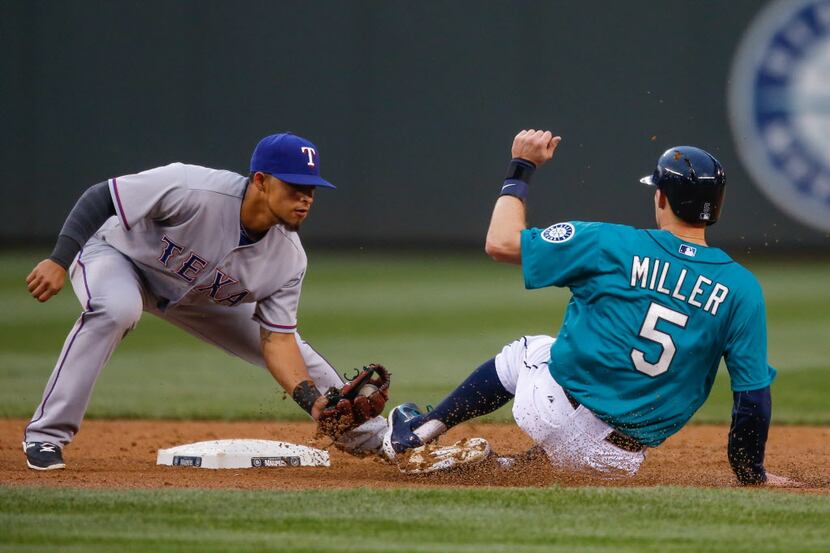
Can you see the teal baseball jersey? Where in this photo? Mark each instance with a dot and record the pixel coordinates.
(648, 322)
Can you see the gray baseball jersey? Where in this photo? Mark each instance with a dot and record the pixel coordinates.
(173, 250)
(180, 225)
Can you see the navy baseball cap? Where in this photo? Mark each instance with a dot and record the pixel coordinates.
(290, 158)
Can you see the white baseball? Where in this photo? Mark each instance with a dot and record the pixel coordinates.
(367, 390)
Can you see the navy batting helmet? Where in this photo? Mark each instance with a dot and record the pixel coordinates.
(693, 181)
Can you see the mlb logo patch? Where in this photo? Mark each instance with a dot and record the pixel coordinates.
(688, 250)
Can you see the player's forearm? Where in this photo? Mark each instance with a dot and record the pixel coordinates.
(283, 359)
(751, 415)
(91, 210)
(504, 237)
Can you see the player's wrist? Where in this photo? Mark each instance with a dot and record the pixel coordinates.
(520, 168)
(305, 394)
(517, 179)
(66, 248)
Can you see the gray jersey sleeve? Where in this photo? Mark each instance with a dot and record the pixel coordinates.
(278, 312)
(158, 194)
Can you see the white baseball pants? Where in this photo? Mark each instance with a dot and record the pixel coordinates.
(571, 438)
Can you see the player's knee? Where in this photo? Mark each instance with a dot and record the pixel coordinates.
(515, 350)
(122, 312)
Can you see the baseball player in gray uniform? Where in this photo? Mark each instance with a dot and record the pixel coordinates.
(211, 251)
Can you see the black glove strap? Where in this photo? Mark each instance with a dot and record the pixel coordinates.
(305, 394)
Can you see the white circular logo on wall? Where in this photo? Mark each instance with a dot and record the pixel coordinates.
(779, 106)
(560, 232)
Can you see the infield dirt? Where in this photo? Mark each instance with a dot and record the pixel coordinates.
(122, 454)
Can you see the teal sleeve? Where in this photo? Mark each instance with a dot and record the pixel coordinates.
(561, 255)
(746, 348)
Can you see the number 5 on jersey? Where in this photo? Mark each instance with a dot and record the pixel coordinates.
(656, 313)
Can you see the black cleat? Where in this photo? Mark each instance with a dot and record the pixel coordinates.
(43, 456)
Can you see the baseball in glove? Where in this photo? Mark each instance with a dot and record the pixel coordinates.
(360, 399)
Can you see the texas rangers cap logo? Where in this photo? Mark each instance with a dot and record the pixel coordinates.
(560, 232)
(778, 107)
(310, 152)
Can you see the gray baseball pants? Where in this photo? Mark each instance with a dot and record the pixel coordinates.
(113, 296)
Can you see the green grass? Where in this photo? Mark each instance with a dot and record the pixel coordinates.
(431, 318)
(429, 521)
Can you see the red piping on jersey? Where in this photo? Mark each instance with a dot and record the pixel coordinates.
(86, 284)
(118, 203)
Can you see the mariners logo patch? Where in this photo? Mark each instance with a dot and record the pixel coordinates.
(560, 232)
(778, 107)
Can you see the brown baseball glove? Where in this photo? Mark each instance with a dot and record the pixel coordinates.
(360, 399)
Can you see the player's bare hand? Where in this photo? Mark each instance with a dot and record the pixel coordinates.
(775, 481)
(46, 280)
(535, 146)
(319, 404)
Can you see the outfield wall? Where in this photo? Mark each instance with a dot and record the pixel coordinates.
(412, 104)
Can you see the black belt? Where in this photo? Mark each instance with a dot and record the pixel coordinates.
(616, 437)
